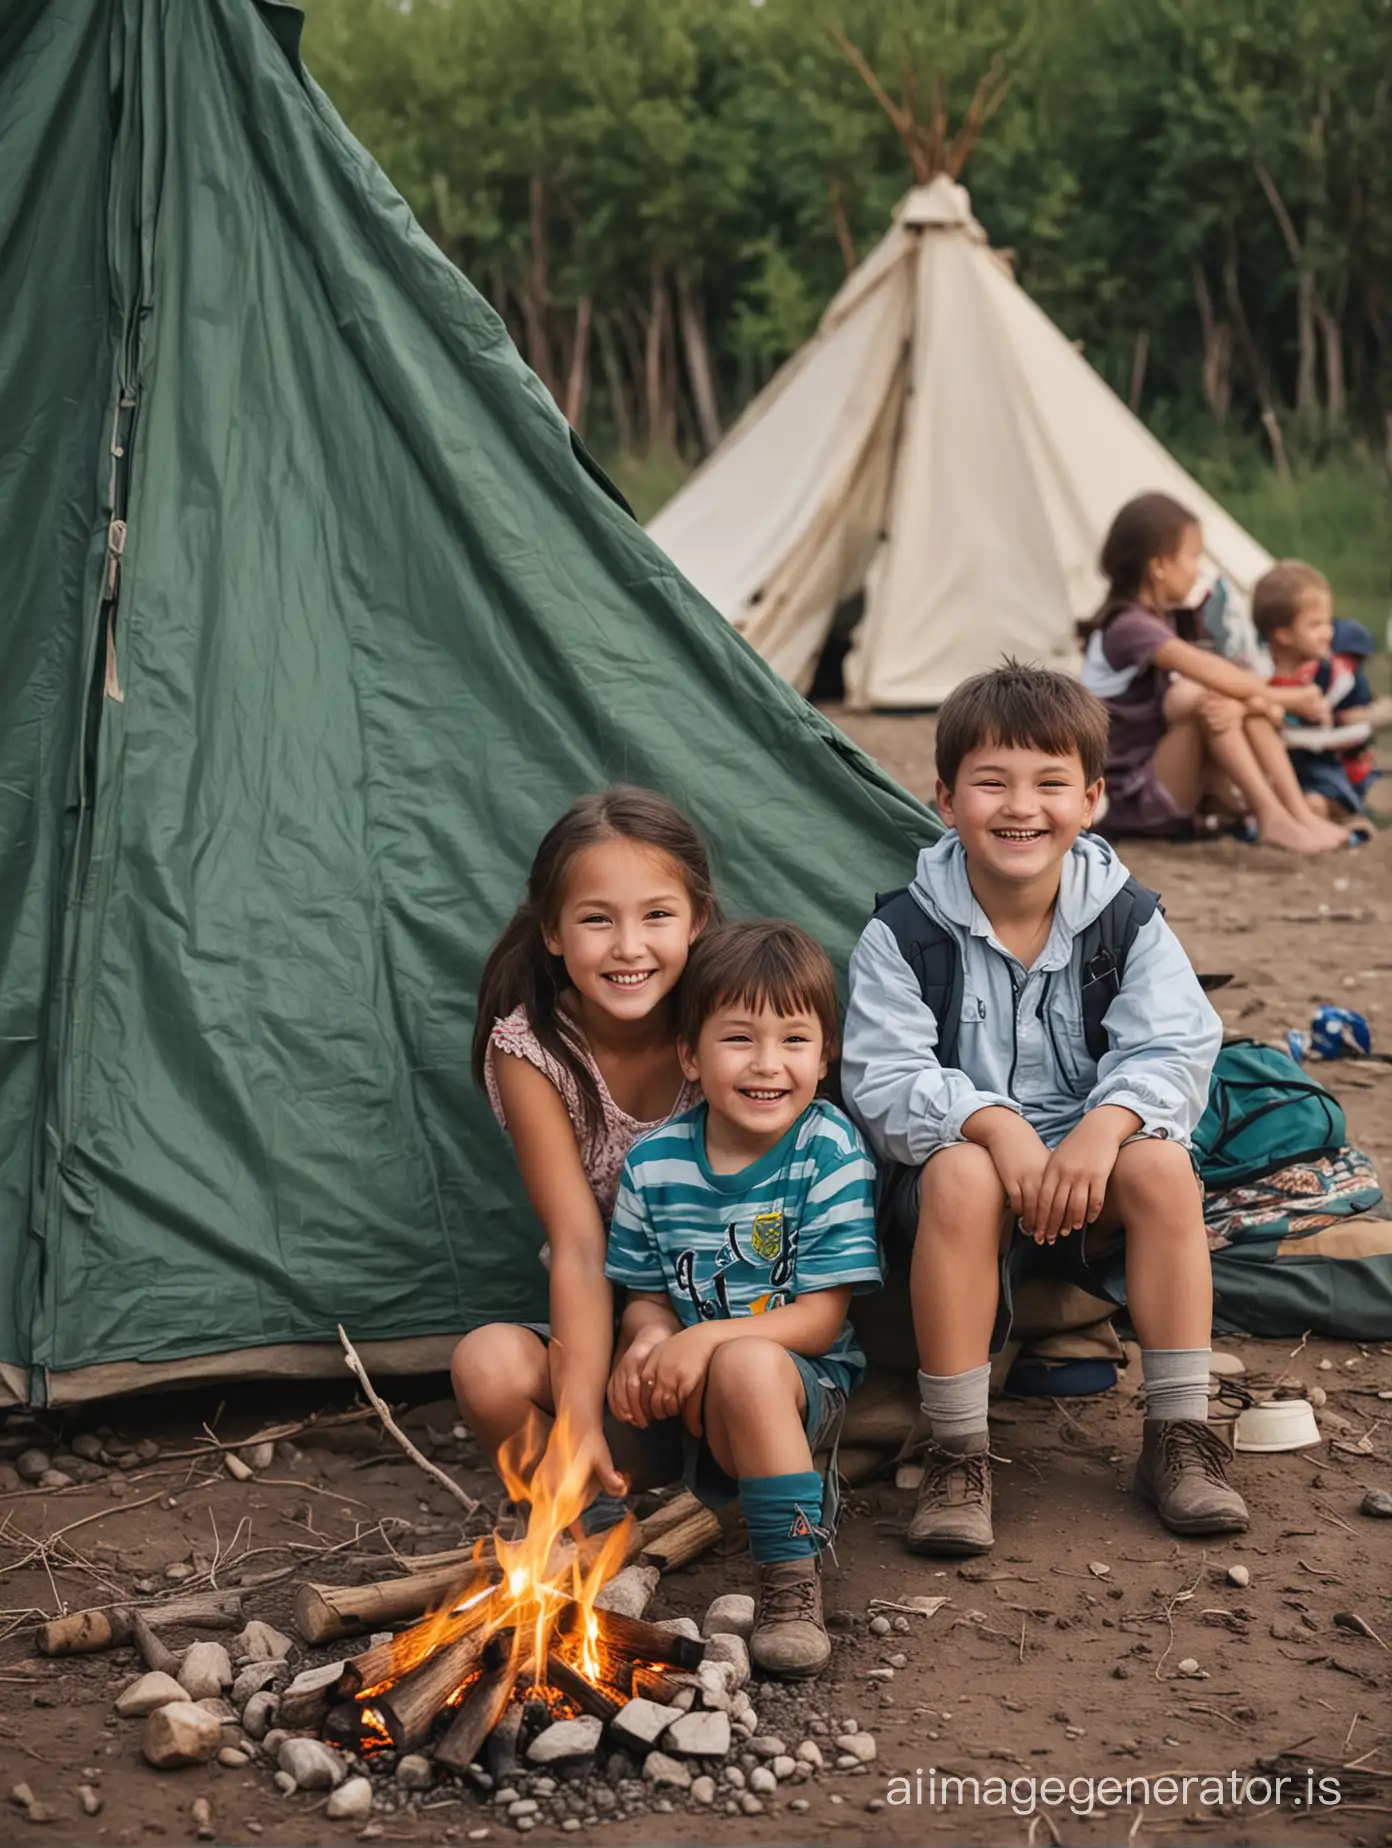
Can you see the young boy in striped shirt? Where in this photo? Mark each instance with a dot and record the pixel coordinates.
(740, 1232)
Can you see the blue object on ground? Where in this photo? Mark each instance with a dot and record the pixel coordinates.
(1338, 1031)
(1069, 1379)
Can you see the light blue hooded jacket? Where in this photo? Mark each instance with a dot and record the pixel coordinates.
(1020, 1038)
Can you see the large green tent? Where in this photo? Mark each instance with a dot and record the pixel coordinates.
(312, 618)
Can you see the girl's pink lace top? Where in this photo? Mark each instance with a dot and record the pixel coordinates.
(602, 1155)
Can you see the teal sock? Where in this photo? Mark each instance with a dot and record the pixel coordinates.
(783, 1515)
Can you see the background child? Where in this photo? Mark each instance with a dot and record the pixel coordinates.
(1026, 1138)
(576, 1044)
(740, 1231)
(1185, 724)
(1293, 609)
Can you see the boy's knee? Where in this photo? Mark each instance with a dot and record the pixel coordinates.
(1155, 1169)
(960, 1182)
(740, 1370)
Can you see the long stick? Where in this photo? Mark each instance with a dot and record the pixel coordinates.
(325, 1612)
(393, 1429)
(84, 1632)
(478, 1714)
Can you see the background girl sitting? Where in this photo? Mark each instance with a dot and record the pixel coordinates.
(1186, 725)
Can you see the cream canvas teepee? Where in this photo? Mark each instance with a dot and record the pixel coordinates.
(941, 447)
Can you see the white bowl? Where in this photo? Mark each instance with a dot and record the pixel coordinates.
(1277, 1424)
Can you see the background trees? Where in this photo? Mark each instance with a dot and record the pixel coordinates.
(660, 199)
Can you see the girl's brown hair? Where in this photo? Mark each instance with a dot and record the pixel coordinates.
(1149, 527)
(522, 972)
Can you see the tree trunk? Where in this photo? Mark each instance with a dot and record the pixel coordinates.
(1332, 337)
(535, 296)
(578, 378)
(1306, 375)
(1217, 351)
(1140, 353)
(615, 388)
(844, 241)
(1252, 353)
(660, 411)
(698, 362)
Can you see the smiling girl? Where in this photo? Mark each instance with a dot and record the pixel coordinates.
(576, 1047)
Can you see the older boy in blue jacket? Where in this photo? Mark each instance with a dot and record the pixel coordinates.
(1028, 1151)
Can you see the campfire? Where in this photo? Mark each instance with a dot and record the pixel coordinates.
(518, 1644)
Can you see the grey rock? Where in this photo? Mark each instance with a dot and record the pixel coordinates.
(858, 1746)
(351, 1802)
(1378, 1503)
(727, 1649)
(259, 1642)
(762, 1780)
(88, 1446)
(524, 1806)
(221, 1710)
(765, 1745)
(146, 1693)
(55, 1479)
(273, 1741)
(312, 1765)
(642, 1722)
(310, 1680)
(751, 1805)
(879, 1626)
(256, 1676)
(699, 1735)
(783, 1767)
(703, 1790)
(90, 1800)
(566, 1741)
(733, 1613)
(257, 1456)
(205, 1670)
(284, 1783)
(415, 1772)
(665, 1773)
(629, 1593)
(799, 1804)
(680, 1626)
(684, 1699)
(180, 1734)
(231, 1759)
(259, 1714)
(32, 1465)
(734, 1777)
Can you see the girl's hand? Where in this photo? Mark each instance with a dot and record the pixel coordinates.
(628, 1391)
(1262, 708)
(677, 1375)
(1309, 703)
(557, 1467)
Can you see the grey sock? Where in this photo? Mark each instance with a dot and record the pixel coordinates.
(955, 1403)
(1176, 1382)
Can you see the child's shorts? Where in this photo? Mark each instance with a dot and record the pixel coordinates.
(667, 1452)
(1021, 1257)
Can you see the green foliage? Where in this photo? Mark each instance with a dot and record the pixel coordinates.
(661, 199)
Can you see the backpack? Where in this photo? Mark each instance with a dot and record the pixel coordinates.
(1263, 1113)
(932, 953)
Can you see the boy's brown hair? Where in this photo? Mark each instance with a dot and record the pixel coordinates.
(757, 963)
(1016, 705)
(1280, 592)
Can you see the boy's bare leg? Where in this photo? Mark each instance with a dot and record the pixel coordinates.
(753, 1412)
(954, 1285)
(1155, 1195)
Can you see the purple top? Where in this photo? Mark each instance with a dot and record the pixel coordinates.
(1135, 695)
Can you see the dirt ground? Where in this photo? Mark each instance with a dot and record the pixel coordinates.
(1057, 1658)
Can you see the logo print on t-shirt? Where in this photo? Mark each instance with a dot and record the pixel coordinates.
(766, 1235)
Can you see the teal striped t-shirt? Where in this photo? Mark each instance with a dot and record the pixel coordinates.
(800, 1219)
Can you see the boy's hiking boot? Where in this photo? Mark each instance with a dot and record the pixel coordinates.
(953, 1513)
(1183, 1473)
(789, 1637)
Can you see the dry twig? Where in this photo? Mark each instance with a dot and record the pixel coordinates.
(393, 1429)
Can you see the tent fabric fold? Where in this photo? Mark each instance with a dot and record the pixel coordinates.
(261, 814)
(942, 449)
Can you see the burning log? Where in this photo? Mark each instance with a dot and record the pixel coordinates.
(409, 1708)
(325, 1612)
(482, 1707)
(652, 1684)
(85, 1632)
(391, 1660)
(587, 1695)
(639, 1641)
